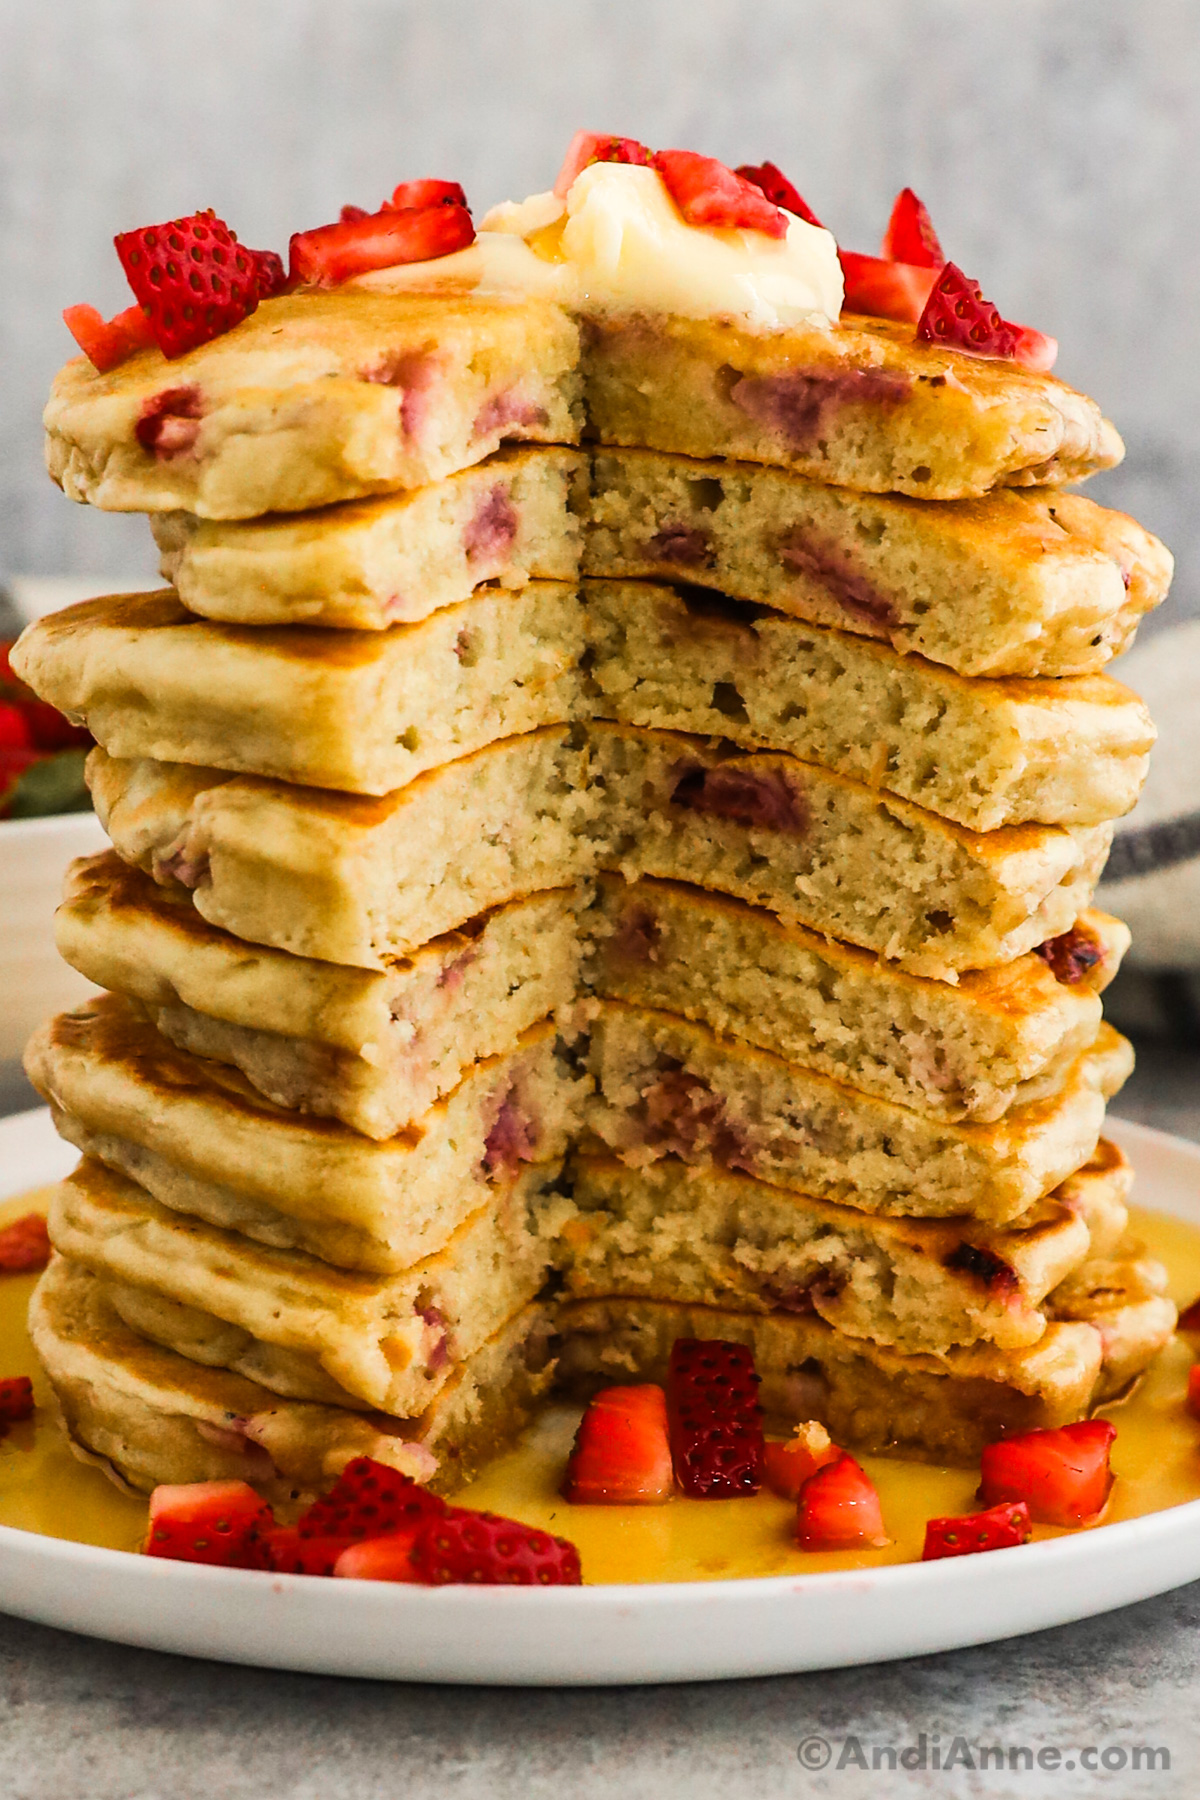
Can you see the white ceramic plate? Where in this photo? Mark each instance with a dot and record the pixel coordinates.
(688, 1631)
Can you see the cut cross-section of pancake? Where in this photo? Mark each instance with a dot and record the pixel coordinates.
(1032, 583)
(317, 397)
(985, 753)
(370, 564)
(861, 404)
(197, 1137)
(970, 1050)
(669, 1087)
(374, 1048)
(151, 1415)
(363, 712)
(299, 1325)
(350, 879)
(712, 1237)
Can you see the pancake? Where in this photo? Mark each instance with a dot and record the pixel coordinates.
(967, 1051)
(150, 1415)
(317, 397)
(373, 1048)
(984, 753)
(364, 712)
(860, 404)
(668, 1087)
(370, 564)
(355, 881)
(390, 1342)
(716, 1238)
(1018, 583)
(198, 1138)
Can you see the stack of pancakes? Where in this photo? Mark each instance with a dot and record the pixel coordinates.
(565, 898)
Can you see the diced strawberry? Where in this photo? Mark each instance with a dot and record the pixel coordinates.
(24, 1245)
(288, 1553)
(480, 1547)
(350, 214)
(15, 727)
(957, 316)
(16, 1399)
(910, 237)
(108, 342)
(839, 1509)
(588, 147)
(1071, 954)
(997, 1529)
(787, 1466)
(778, 189)
(208, 1522)
(622, 1453)
(368, 1500)
(333, 253)
(1033, 349)
(707, 193)
(269, 273)
(1063, 1475)
(715, 1419)
(885, 290)
(191, 277)
(425, 193)
(1189, 1317)
(382, 1558)
(1193, 1388)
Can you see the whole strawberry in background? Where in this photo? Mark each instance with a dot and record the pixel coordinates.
(41, 753)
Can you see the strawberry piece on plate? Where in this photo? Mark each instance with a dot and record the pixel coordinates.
(408, 194)
(707, 193)
(192, 279)
(957, 316)
(368, 1500)
(480, 1547)
(216, 1522)
(622, 1452)
(16, 1400)
(331, 254)
(588, 147)
(1193, 1386)
(997, 1529)
(839, 1509)
(24, 1245)
(15, 729)
(1063, 1474)
(778, 189)
(715, 1418)
(910, 237)
(787, 1466)
(286, 1552)
(382, 1558)
(108, 342)
(885, 290)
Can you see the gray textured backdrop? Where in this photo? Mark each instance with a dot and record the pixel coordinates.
(1054, 140)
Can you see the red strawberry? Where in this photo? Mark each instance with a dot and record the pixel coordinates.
(885, 290)
(707, 193)
(715, 1418)
(588, 147)
(16, 1399)
(333, 253)
(839, 1509)
(778, 189)
(910, 237)
(381, 1559)
(1033, 349)
(1189, 1318)
(288, 1553)
(1062, 1475)
(192, 278)
(957, 315)
(622, 1454)
(208, 1522)
(786, 1467)
(24, 1245)
(269, 273)
(15, 731)
(51, 729)
(998, 1529)
(1193, 1387)
(480, 1547)
(368, 1500)
(107, 342)
(410, 194)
